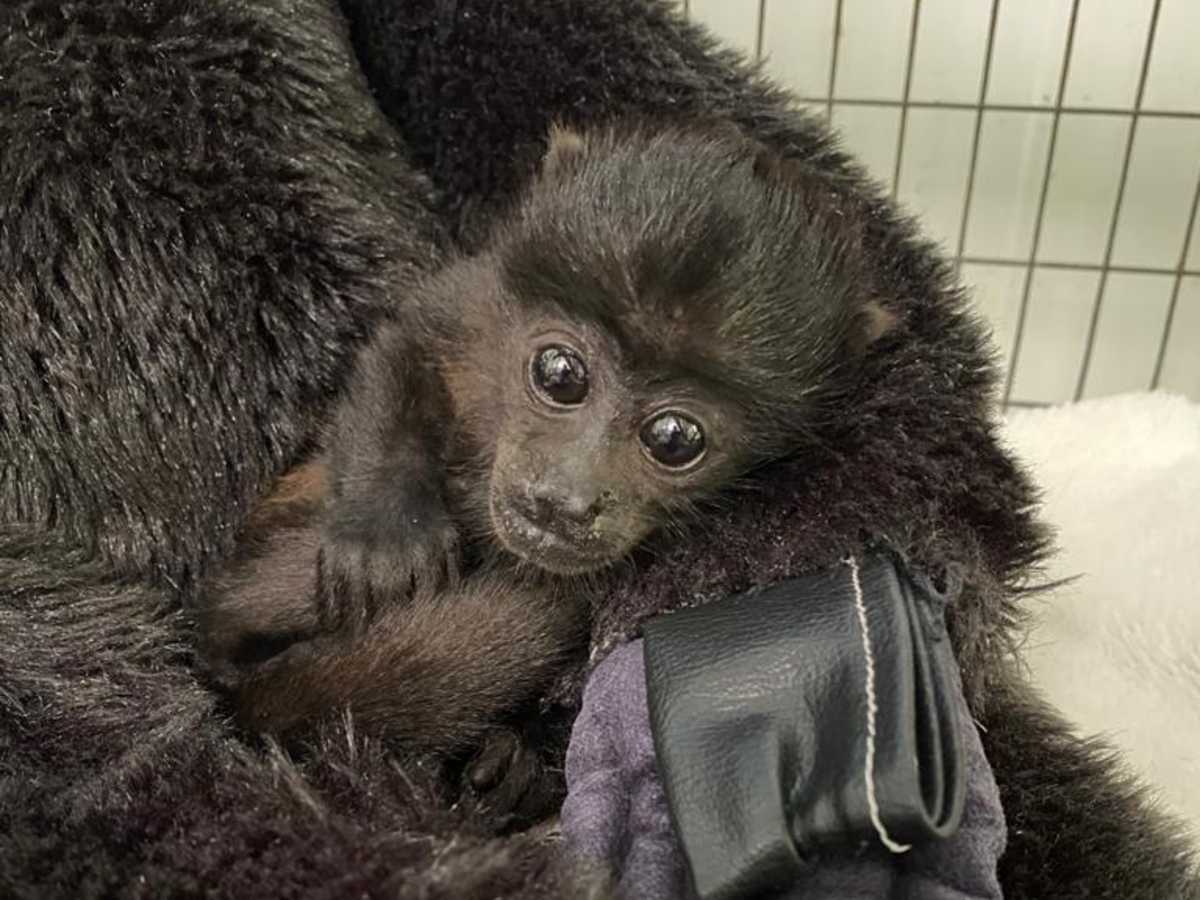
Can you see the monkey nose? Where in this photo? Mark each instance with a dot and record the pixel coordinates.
(548, 505)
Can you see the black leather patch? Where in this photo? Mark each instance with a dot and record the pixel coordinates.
(760, 714)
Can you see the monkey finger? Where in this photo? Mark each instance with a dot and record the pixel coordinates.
(513, 783)
(493, 762)
(451, 555)
(340, 587)
(446, 571)
(542, 797)
(503, 799)
(452, 573)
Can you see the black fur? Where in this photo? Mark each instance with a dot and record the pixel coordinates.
(120, 777)
(147, 398)
(202, 214)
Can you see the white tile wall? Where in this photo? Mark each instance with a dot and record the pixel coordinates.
(950, 70)
(1107, 49)
(1128, 333)
(871, 133)
(1173, 82)
(1158, 194)
(736, 21)
(1008, 183)
(1181, 367)
(873, 56)
(933, 170)
(1193, 260)
(1027, 56)
(996, 294)
(1106, 59)
(1083, 188)
(1056, 325)
(798, 44)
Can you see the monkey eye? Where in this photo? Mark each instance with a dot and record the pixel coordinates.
(559, 374)
(673, 439)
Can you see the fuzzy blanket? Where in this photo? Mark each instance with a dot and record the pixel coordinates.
(204, 209)
(1118, 649)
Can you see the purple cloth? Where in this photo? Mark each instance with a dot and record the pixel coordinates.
(616, 812)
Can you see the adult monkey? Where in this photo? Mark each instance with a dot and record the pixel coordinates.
(202, 215)
(181, 293)
(473, 85)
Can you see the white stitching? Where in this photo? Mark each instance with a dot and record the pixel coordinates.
(872, 710)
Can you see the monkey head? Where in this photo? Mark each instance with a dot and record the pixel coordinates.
(664, 310)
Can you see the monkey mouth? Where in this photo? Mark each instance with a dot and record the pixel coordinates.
(544, 548)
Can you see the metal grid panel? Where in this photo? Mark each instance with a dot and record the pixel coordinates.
(1170, 351)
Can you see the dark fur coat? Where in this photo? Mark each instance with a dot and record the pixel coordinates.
(202, 213)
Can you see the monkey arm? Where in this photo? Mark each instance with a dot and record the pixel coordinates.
(264, 598)
(434, 674)
(386, 531)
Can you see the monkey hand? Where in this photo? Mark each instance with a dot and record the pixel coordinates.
(383, 550)
(512, 780)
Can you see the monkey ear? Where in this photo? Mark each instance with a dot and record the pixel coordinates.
(872, 321)
(770, 165)
(563, 146)
(767, 164)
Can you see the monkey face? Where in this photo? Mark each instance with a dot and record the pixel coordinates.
(587, 461)
(584, 457)
(583, 469)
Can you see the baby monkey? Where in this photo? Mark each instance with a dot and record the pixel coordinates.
(662, 311)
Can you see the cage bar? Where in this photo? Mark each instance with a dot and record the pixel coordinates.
(1023, 310)
(1125, 156)
(1115, 223)
(1181, 271)
(833, 61)
(969, 193)
(904, 99)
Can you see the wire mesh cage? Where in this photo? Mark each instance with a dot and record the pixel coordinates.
(1051, 146)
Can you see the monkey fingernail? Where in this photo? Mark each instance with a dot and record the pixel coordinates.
(486, 773)
(493, 761)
